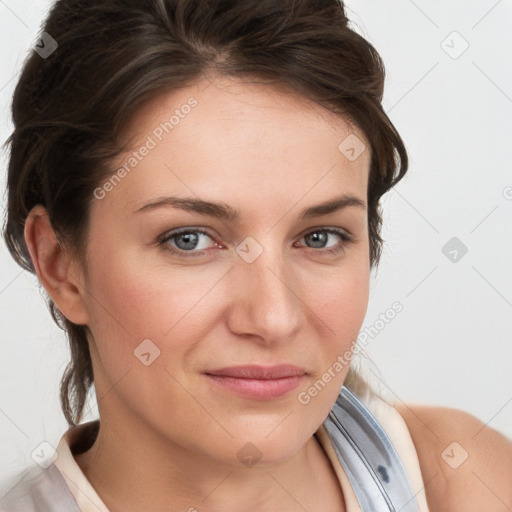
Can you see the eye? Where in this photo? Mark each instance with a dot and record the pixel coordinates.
(318, 239)
(187, 241)
(194, 241)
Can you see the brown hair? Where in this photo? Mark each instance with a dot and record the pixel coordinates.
(70, 107)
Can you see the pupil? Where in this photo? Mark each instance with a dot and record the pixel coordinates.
(190, 240)
(319, 238)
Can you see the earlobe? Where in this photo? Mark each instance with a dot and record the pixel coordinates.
(52, 265)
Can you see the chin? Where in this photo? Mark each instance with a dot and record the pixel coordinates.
(264, 446)
(251, 455)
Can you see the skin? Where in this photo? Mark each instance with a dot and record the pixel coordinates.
(169, 437)
(479, 482)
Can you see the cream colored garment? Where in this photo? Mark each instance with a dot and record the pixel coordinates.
(89, 501)
(82, 490)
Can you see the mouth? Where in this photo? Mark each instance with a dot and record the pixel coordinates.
(258, 382)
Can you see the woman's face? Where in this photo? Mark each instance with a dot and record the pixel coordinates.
(275, 285)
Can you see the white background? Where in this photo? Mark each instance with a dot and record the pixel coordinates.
(451, 344)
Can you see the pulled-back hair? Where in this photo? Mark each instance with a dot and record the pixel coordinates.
(69, 107)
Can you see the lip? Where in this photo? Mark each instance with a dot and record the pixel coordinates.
(258, 382)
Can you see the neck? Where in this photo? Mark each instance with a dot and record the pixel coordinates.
(134, 468)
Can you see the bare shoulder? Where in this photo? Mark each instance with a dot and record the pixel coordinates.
(466, 465)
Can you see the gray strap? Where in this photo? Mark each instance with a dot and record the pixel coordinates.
(372, 465)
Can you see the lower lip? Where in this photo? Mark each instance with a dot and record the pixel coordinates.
(259, 389)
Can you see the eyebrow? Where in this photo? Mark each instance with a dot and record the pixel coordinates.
(226, 212)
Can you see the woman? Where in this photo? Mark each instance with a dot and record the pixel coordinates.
(196, 185)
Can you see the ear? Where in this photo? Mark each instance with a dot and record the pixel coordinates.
(54, 267)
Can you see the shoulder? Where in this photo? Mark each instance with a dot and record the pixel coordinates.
(465, 464)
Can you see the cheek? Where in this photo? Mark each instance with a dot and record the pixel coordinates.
(344, 298)
(124, 300)
(130, 301)
(341, 300)
(339, 304)
(147, 324)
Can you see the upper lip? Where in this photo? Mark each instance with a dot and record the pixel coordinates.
(259, 372)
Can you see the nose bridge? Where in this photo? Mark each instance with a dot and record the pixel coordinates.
(266, 303)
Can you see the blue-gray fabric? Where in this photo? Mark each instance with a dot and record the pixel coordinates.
(371, 463)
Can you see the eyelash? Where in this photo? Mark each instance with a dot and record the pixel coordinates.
(164, 239)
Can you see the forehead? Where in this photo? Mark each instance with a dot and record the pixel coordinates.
(248, 98)
(227, 136)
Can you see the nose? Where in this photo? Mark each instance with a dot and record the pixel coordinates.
(266, 299)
